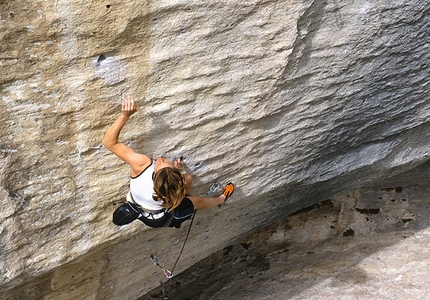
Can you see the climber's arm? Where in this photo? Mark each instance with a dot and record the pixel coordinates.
(205, 203)
(136, 161)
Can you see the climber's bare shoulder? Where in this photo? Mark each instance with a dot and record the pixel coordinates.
(137, 161)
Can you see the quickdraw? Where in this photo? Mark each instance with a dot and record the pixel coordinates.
(156, 262)
(215, 187)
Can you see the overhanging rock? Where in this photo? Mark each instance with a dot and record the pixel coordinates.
(293, 102)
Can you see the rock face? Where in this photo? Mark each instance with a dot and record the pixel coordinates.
(295, 102)
(368, 244)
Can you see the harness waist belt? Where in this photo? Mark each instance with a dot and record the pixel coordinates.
(152, 214)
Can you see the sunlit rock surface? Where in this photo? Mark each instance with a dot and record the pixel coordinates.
(295, 102)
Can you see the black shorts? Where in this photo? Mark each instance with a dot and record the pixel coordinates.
(183, 212)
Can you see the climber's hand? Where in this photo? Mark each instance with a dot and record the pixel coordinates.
(129, 106)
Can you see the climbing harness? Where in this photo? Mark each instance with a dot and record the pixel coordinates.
(149, 214)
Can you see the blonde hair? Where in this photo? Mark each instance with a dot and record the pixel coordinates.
(169, 187)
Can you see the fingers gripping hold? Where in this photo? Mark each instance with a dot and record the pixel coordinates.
(129, 106)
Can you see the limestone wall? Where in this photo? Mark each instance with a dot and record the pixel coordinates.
(294, 101)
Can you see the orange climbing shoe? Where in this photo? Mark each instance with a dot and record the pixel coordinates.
(228, 191)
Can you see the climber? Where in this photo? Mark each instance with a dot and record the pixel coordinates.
(159, 192)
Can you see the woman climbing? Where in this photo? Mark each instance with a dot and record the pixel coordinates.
(159, 192)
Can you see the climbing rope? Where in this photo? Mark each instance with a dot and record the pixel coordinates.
(183, 246)
(169, 274)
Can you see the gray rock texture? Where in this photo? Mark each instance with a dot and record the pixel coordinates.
(295, 102)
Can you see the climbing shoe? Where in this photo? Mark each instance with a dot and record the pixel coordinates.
(228, 191)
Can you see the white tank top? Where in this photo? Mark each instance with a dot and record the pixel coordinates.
(142, 189)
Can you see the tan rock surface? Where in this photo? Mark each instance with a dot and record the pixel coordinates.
(295, 102)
